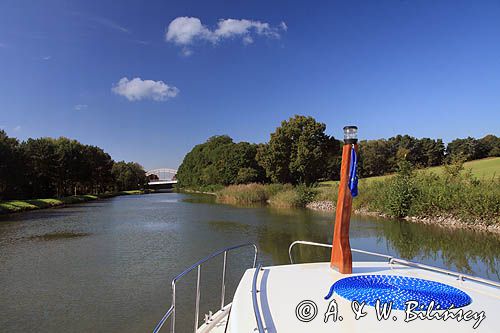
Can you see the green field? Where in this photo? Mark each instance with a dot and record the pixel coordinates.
(487, 168)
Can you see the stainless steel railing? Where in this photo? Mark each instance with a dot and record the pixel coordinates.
(171, 311)
(392, 260)
(256, 310)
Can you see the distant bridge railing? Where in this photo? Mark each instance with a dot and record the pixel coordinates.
(161, 176)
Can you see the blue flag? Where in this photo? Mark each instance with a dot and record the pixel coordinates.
(353, 173)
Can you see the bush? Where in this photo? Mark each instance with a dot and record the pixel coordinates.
(273, 189)
(290, 197)
(399, 191)
(305, 194)
(455, 194)
(278, 195)
(243, 194)
(452, 193)
(399, 196)
(327, 193)
(286, 199)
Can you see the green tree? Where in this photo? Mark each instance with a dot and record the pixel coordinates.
(432, 152)
(490, 146)
(407, 144)
(96, 175)
(42, 171)
(297, 151)
(466, 148)
(199, 166)
(128, 176)
(247, 175)
(220, 161)
(48, 167)
(375, 158)
(11, 167)
(69, 164)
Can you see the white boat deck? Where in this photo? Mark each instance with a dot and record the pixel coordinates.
(282, 288)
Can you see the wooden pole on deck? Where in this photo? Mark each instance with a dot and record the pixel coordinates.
(341, 258)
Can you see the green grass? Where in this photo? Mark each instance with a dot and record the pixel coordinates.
(471, 196)
(487, 168)
(13, 206)
(130, 192)
(276, 195)
(431, 195)
(286, 199)
(243, 194)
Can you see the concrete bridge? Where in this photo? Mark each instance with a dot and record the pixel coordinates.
(162, 178)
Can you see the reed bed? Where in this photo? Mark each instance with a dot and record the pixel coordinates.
(457, 195)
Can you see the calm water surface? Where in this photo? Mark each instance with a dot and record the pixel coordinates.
(106, 266)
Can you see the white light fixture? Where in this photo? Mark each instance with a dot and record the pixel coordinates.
(350, 134)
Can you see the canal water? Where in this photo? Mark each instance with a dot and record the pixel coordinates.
(106, 266)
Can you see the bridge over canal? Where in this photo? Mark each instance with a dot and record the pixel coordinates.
(162, 178)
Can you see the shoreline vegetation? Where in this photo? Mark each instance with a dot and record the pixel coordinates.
(450, 197)
(17, 206)
(403, 177)
(60, 168)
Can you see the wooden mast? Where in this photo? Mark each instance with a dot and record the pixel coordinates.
(341, 258)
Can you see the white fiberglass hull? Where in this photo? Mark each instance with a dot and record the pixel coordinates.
(291, 298)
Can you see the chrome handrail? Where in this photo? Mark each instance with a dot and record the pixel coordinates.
(459, 276)
(392, 260)
(330, 246)
(260, 326)
(171, 310)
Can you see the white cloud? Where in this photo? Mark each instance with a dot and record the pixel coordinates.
(47, 58)
(138, 89)
(17, 128)
(80, 107)
(3, 45)
(185, 30)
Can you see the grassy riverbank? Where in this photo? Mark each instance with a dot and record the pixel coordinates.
(276, 195)
(14, 206)
(452, 194)
(485, 168)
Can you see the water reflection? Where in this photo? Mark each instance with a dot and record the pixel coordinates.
(465, 251)
(460, 250)
(106, 266)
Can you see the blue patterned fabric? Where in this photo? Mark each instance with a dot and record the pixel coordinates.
(398, 290)
(353, 173)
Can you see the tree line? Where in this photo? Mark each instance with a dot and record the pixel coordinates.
(49, 167)
(379, 157)
(300, 152)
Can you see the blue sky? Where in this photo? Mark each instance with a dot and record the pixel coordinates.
(67, 68)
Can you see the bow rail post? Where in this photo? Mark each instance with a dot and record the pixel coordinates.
(171, 312)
